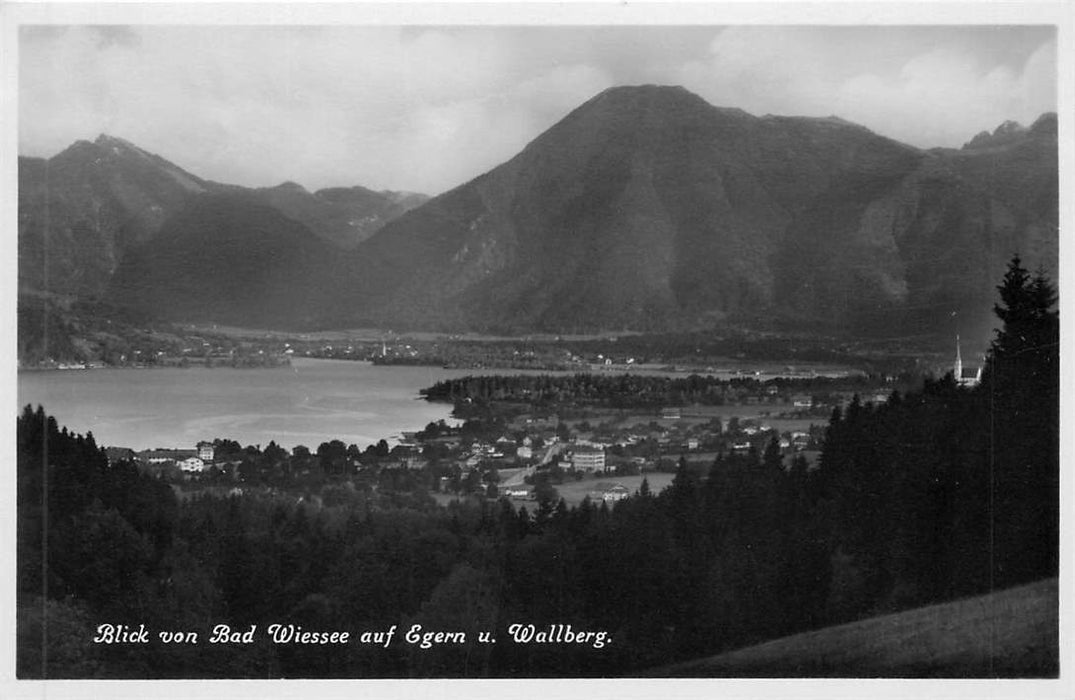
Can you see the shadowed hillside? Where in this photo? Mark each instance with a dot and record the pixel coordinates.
(1010, 634)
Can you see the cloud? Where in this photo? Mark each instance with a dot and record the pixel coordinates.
(944, 97)
(457, 140)
(914, 91)
(428, 108)
(422, 110)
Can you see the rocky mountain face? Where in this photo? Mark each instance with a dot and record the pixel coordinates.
(648, 208)
(83, 210)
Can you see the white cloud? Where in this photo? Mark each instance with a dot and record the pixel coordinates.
(926, 96)
(429, 108)
(422, 111)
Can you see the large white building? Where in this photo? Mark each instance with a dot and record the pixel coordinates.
(588, 458)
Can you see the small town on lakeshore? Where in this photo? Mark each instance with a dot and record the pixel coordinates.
(517, 445)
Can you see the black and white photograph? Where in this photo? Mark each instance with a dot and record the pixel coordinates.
(560, 343)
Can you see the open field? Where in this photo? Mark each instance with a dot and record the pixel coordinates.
(574, 491)
(1009, 634)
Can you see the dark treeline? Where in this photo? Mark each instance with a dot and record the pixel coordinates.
(631, 390)
(936, 494)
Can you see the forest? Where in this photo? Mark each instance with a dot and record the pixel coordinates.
(627, 391)
(938, 493)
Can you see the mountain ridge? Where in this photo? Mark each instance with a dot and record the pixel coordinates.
(644, 208)
(802, 220)
(82, 210)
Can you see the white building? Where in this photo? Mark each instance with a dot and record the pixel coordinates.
(589, 459)
(609, 492)
(192, 464)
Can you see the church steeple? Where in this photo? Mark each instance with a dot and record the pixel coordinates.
(973, 375)
(957, 371)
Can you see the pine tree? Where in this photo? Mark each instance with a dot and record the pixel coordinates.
(1021, 387)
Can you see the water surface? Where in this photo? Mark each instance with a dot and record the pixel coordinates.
(308, 403)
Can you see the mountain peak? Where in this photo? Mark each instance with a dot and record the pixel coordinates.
(109, 140)
(117, 146)
(1011, 131)
(1009, 127)
(1045, 124)
(648, 95)
(646, 89)
(290, 186)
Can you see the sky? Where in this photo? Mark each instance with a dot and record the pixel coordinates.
(426, 108)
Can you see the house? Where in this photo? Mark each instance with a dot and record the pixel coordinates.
(205, 451)
(671, 413)
(524, 452)
(160, 456)
(116, 455)
(519, 492)
(802, 401)
(192, 464)
(608, 492)
(588, 459)
(415, 462)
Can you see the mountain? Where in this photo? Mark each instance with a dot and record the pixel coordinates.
(343, 216)
(645, 208)
(230, 258)
(649, 208)
(82, 210)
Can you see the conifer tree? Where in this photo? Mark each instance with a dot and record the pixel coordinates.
(1021, 388)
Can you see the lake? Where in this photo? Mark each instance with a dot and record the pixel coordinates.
(308, 403)
(311, 402)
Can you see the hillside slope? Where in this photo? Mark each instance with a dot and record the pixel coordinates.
(1009, 634)
(231, 259)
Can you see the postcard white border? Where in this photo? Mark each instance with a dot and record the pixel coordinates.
(1058, 12)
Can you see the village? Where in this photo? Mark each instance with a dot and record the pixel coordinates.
(524, 455)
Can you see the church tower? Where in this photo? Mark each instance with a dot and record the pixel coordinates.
(971, 376)
(957, 371)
